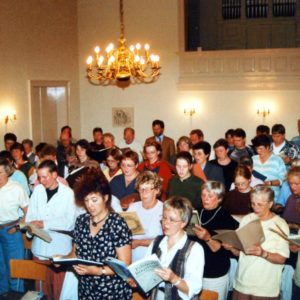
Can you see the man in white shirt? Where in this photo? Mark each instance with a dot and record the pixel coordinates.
(52, 206)
(131, 143)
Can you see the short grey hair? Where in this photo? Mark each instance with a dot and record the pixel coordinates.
(262, 190)
(214, 186)
(182, 204)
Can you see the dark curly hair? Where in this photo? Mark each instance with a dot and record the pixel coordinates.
(93, 181)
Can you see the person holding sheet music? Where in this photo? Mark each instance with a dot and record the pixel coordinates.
(99, 233)
(260, 266)
(214, 217)
(123, 185)
(182, 259)
(51, 206)
(113, 161)
(12, 198)
(149, 211)
(82, 149)
(82, 163)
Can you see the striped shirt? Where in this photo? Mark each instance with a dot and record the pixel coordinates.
(274, 169)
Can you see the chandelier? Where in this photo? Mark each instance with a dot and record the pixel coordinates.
(133, 64)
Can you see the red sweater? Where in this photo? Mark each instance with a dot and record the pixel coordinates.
(162, 169)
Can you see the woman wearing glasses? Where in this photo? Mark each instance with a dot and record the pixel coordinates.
(213, 217)
(149, 210)
(123, 186)
(260, 266)
(154, 163)
(237, 201)
(181, 258)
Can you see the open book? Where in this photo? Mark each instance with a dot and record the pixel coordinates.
(142, 271)
(41, 233)
(74, 261)
(292, 238)
(133, 221)
(194, 220)
(244, 237)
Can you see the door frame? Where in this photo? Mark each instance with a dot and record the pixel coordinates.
(48, 83)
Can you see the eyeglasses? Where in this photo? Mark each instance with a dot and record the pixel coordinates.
(170, 220)
(145, 190)
(127, 166)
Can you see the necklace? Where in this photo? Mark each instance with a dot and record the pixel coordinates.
(96, 223)
(210, 218)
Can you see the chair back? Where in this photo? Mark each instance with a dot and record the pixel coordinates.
(208, 295)
(27, 269)
(137, 296)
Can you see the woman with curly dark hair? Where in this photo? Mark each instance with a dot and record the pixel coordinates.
(99, 233)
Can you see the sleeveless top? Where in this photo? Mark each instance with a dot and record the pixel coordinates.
(176, 265)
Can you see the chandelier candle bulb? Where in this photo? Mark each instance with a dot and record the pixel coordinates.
(97, 51)
(89, 62)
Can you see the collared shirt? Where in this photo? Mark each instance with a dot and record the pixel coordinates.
(59, 213)
(159, 138)
(135, 146)
(194, 265)
(12, 197)
(255, 275)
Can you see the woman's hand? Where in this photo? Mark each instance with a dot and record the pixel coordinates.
(254, 250)
(87, 270)
(201, 233)
(294, 248)
(167, 275)
(132, 283)
(233, 250)
(57, 256)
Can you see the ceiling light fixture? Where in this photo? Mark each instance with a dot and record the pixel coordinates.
(133, 64)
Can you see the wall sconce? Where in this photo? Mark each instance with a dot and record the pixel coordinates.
(263, 112)
(190, 111)
(10, 117)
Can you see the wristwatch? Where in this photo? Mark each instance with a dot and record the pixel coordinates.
(265, 254)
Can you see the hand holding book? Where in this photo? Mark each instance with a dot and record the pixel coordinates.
(201, 233)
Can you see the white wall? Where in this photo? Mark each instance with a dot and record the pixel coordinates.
(150, 21)
(157, 22)
(38, 41)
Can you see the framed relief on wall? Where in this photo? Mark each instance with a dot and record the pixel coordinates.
(122, 116)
